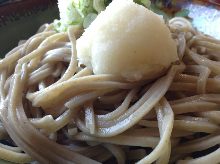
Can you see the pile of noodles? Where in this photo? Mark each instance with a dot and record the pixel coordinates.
(54, 110)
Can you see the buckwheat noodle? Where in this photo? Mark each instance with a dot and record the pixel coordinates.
(54, 110)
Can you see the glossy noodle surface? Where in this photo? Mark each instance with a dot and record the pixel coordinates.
(56, 110)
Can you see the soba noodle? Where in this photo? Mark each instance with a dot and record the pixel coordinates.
(57, 111)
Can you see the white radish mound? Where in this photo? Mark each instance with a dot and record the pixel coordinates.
(127, 40)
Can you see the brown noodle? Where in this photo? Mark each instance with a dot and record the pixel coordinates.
(56, 111)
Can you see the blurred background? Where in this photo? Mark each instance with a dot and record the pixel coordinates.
(19, 19)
